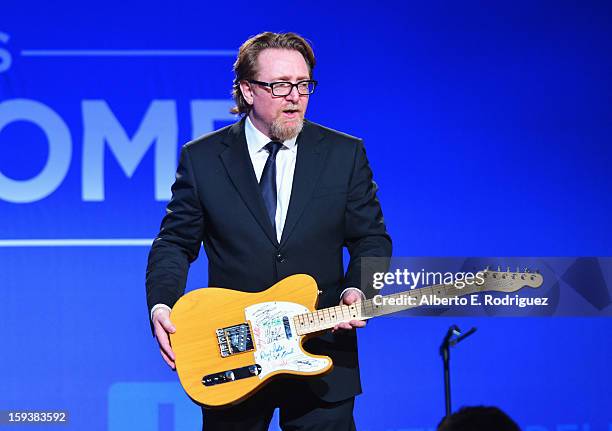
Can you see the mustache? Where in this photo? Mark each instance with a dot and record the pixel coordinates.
(291, 108)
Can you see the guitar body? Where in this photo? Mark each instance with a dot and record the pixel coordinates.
(228, 344)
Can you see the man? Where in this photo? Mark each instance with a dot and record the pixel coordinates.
(271, 196)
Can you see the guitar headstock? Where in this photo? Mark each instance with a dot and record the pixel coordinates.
(509, 281)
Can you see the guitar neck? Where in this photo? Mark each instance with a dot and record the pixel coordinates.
(327, 318)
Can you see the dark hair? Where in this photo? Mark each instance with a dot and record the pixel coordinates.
(245, 66)
(478, 418)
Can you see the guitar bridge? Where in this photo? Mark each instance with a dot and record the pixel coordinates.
(235, 339)
(231, 375)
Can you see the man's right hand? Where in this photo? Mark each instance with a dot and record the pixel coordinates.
(162, 327)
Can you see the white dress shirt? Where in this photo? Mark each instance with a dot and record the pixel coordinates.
(285, 167)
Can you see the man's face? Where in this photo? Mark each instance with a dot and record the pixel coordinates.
(278, 117)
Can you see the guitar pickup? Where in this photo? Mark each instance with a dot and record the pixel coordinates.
(287, 327)
(231, 375)
(234, 339)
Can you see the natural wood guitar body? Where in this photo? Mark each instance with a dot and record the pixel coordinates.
(199, 316)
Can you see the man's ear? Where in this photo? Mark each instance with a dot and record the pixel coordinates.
(247, 92)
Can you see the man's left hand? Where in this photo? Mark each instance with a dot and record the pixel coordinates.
(349, 297)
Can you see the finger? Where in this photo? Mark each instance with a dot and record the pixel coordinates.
(165, 346)
(347, 299)
(164, 341)
(345, 325)
(342, 325)
(167, 324)
(162, 316)
(169, 361)
(351, 298)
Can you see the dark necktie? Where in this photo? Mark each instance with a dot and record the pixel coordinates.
(267, 183)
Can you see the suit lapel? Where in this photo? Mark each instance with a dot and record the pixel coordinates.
(310, 156)
(238, 165)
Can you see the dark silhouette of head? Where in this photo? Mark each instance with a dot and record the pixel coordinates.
(478, 418)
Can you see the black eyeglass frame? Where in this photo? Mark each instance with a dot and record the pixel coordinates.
(271, 85)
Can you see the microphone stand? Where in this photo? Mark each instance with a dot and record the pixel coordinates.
(447, 343)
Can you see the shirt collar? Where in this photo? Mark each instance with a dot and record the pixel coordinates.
(256, 140)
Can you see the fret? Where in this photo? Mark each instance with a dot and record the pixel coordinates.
(315, 320)
(376, 309)
(327, 316)
(344, 312)
(335, 312)
(368, 308)
(362, 312)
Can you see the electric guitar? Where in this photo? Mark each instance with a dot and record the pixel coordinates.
(228, 344)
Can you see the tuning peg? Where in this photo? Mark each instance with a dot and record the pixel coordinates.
(498, 268)
(526, 269)
(487, 268)
(518, 269)
(508, 269)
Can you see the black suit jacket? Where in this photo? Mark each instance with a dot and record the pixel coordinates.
(216, 202)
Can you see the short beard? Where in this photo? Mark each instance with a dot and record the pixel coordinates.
(280, 131)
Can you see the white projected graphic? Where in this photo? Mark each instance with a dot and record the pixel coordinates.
(5, 56)
(102, 130)
(60, 151)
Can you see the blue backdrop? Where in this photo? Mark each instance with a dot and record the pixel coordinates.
(488, 129)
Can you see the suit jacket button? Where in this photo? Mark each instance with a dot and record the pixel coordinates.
(280, 258)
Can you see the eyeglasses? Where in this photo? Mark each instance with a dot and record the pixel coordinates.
(284, 88)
